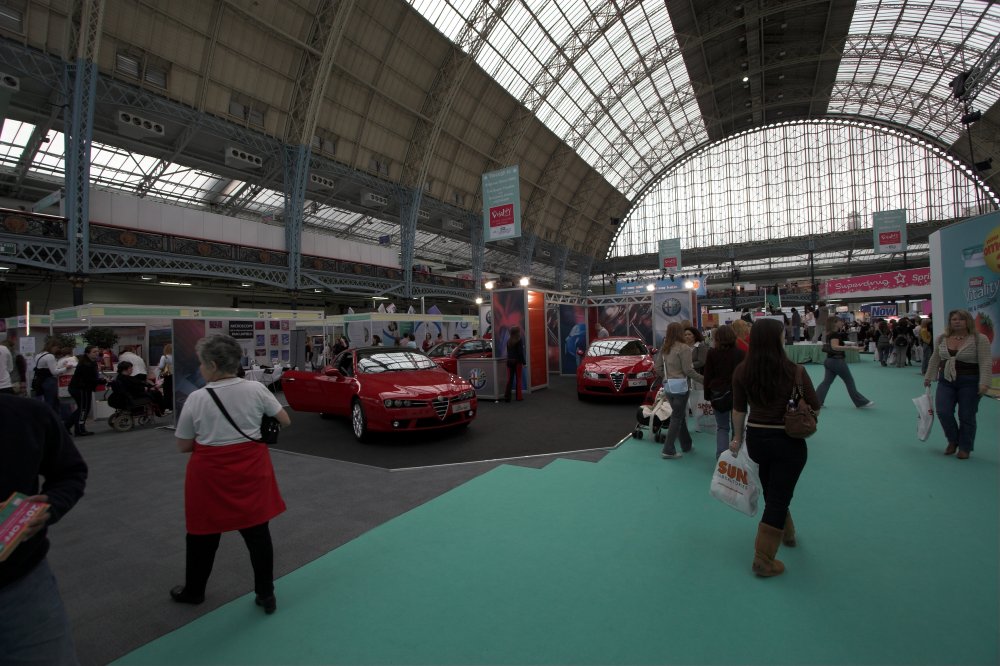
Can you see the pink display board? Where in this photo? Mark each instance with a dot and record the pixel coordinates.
(903, 282)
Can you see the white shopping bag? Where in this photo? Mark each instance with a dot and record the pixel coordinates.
(735, 481)
(925, 414)
(701, 410)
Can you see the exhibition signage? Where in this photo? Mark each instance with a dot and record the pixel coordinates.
(889, 231)
(501, 204)
(697, 284)
(913, 281)
(670, 254)
(241, 330)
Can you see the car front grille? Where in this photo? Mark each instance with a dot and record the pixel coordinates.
(617, 378)
(440, 407)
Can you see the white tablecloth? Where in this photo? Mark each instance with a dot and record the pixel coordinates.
(264, 375)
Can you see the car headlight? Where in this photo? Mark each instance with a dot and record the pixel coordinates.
(396, 403)
(644, 375)
(465, 395)
(589, 374)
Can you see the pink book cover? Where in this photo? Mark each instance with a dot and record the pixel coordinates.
(15, 514)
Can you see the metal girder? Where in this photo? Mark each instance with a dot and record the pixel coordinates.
(296, 165)
(147, 182)
(239, 199)
(86, 17)
(478, 243)
(526, 251)
(327, 31)
(559, 262)
(585, 266)
(985, 70)
(409, 202)
(581, 199)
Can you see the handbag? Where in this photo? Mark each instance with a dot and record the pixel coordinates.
(736, 482)
(800, 419)
(722, 401)
(269, 426)
(925, 414)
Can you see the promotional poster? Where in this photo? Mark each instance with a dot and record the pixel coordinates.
(572, 336)
(552, 336)
(187, 375)
(965, 264)
(670, 307)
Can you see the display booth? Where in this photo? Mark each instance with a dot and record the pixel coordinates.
(392, 328)
(264, 335)
(526, 309)
(27, 336)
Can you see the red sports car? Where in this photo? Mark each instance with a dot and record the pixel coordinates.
(446, 354)
(384, 390)
(615, 367)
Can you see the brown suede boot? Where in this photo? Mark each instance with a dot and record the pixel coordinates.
(788, 537)
(765, 548)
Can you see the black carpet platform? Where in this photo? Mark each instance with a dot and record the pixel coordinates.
(550, 420)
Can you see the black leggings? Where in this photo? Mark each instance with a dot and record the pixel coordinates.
(781, 459)
(201, 556)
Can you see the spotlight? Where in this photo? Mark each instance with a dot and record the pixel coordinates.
(490, 285)
(524, 282)
(672, 277)
(479, 300)
(985, 165)
(688, 284)
(958, 84)
(650, 287)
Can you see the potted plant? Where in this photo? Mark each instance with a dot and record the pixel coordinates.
(101, 337)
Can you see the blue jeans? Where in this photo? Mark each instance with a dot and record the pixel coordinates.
(50, 394)
(964, 392)
(722, 434)
(837, 367)
(678, 423)
(35, 629)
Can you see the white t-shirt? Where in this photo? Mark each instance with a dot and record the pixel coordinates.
(138, 365)
(48, 360)
(6, 367)
(246, 403)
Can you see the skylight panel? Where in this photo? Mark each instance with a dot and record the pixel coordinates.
(267, 201)
(13, 138)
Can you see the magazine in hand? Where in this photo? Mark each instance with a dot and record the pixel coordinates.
(15, 514)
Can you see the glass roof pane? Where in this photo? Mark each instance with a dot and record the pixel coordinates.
(592, 51)
(13, 138)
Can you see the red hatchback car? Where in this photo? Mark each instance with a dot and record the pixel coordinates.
(385, 390)
(615, 367)
(446, 354)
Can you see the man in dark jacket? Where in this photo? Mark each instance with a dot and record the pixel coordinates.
(35, 443)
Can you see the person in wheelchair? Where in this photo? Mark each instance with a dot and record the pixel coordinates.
(128, 392)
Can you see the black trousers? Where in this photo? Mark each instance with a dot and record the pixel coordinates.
(781, 459)
(84, 401)
(201, 557)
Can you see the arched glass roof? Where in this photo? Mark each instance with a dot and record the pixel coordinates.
(799, 179)
(610, 80)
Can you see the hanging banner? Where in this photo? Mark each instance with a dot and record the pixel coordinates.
(907, 282)
(889, 231)
(501, 204)
(670, 254)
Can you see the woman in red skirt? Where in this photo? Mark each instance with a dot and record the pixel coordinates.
(230, 482)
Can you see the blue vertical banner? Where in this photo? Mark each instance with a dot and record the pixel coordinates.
(501, 204)
(889, 231)
(670, 254)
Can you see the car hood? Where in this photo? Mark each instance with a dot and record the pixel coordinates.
(413, 384)
(609, 364)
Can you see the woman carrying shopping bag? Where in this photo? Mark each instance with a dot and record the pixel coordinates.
(673, 365)
(765, 381)
(962, 365)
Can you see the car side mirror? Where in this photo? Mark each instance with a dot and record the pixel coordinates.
(332, 372)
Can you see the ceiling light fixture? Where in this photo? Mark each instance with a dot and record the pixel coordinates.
(175, 284)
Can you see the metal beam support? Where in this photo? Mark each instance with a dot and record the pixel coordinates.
(478, 249)
(142, 189)
(409, 202)
(585, 266)
(525, 252)
(82, 71)
(296, 165)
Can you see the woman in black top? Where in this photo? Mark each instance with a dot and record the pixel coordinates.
(836, 365)
(719, 366)
(515, 362)
(764, 381)
(86, 378)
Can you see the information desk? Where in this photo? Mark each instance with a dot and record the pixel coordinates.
(813, 353)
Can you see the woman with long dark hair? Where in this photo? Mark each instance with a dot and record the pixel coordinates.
(673, 364)
(515, 363)
(764, 381)
(719, 367)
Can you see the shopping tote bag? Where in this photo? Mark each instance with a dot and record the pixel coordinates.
(735, 481)
(925, 414)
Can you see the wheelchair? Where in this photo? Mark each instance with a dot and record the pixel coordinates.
(129, 411)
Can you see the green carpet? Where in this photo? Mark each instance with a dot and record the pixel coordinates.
(630, 561)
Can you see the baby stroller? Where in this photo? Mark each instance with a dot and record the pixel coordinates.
(130, 411)
(654, 413)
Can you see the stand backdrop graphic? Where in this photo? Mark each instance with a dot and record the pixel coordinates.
(965, 272)
(187, 375)
(669, 307)
(552, 335)
(573, 334)
(536, 347)
(510, 309)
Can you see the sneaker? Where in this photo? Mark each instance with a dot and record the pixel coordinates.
(672, 456)
(867, 405)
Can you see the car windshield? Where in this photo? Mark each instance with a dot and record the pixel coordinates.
(617, 348)
(443, 349)
(393, 361)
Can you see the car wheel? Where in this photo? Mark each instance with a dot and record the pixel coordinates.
(637, 433)
(358, 421)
